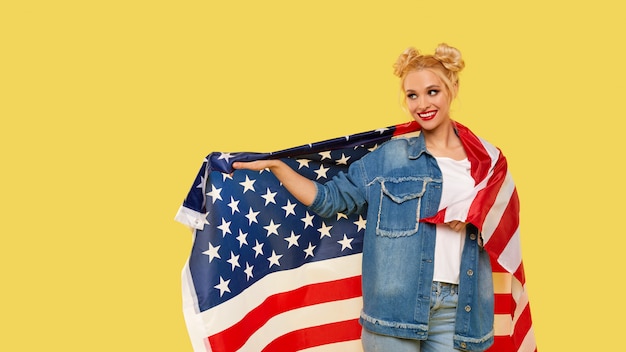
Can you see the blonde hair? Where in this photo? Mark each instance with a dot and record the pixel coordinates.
(446, 63)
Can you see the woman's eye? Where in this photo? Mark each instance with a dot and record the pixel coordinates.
(412, 96)
(433, 92)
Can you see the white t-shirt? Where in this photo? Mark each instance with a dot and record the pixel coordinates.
(457, 184)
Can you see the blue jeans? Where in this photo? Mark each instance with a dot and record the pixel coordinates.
(443, 302)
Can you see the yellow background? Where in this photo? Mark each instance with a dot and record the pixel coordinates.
(108, 108)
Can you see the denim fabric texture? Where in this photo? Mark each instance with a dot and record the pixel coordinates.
(443, 303)
(396, 185)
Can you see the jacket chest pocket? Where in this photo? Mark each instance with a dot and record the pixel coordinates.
(400, 206)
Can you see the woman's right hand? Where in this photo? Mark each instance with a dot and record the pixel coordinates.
(300, 187)
(256, 165)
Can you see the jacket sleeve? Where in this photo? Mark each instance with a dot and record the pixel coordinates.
(344, 193)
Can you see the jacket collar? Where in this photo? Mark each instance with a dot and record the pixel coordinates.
(416, 145)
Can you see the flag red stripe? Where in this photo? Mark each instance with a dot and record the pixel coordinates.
(401, 129)
(522, 327)
(486, 197)
(503, 303)
(519, 273)
(316, 336)
(506, 228)
(235, 336)
(504, 232)
(496, 267)
(502, 343)
(476, 153)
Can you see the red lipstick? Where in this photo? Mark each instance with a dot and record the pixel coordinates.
(427, 115)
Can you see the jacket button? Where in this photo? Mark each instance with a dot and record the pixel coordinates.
(463, 345)
(468, 308)
(470, 272)
(473, 237)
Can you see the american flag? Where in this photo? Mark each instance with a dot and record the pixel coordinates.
(266, 274)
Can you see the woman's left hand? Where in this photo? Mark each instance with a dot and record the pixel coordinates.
(456, 225)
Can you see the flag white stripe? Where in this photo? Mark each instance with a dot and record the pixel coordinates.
(230, 312)
(497, 210)
(302, 318)
(528, 344)
(492, 150)
(501, 283)
(502, 324)
(520, 297)
(511, 256)
(195, 325)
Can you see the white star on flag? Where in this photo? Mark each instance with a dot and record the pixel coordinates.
(242, 238)
(274, 259)
(234, 205)
(360, 224)
(258, 248)
(272, 228)
(215, 194)
(212, 252)
(324, 230)
(303, 163)
(269, 197)
(308, 220)
(325, 155)
(248, 271)
(293, 240)
(225, 156)
(345, 242)
(344, 160)
(234, 261)
(223, 286)
(248, 185)
(309, 250)
(225, 227)
(252, 216)
(321, 172)
(289, 208)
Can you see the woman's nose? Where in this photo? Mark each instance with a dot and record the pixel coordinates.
(422, 103)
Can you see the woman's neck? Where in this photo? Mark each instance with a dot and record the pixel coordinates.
(443, 142)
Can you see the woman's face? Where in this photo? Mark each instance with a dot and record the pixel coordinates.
(427, 99)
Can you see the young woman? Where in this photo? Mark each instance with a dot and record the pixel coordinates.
(426, 286)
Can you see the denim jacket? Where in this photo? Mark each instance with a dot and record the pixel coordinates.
(396, 185)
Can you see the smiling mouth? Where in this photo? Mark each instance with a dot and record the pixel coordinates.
(428, 115)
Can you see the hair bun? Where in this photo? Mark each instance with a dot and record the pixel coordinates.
(408, 56)
(450, 57)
